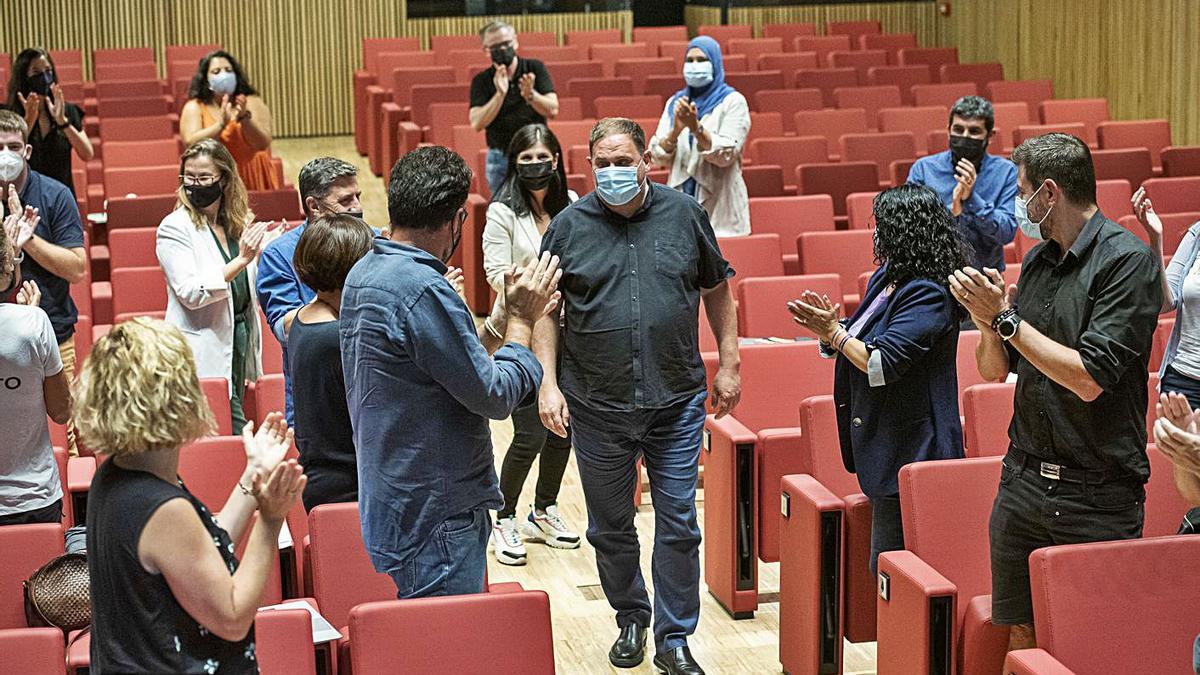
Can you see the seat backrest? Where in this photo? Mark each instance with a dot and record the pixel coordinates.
(1151, 134)
(905, 77)
(610, 52)
(966, 368)
(1030, 92)
(870, 99)
(945, 506)
(658, 34)
(724, 33)
(373, 47)
(1084, 595)
(1133, 164)
(1165, 507)
(576, 132)
(1174, 195)
(788, 32)
(942, 94)
(675, 51)
(387, 62)
(750, 83)
(882, 148)
(565, 71)
(216, 394)
(918, 121)
(788, 102)
(282, 204)
(790, 216)
(141, 88)
(774, 377)
(889, 42)
(404, 79)
(210, 467)
(762, 303)
(650, 105)
(1113, 197)
(1090, 111)
(754, 255)
(753, 48)
(25, 549)
(1181, 161)
(413, 632)
(157, 152)
(132, 247)
(861, 60)
(789, 152)
(847, 254)
(282, 641)
(32, 651)
(860, 210)
(425, 95)
(141, 106)
(821, 445)
(124, 71)
(763, 180)
(788, 62)
(447, 43)
(269, 395)
(837, 180)
(979, 73)
(554, 54)
(988, 409)
(71, 58)
(832, 124)
(639, 69)
(934, 57)
(139, 212)
(827, 80)
(138, 289)
(1027, 131)
(342, 573)
(822, 45)
(114, 129)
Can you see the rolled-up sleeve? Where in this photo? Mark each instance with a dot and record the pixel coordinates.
(1124, 316)
(921, 312)
(728, 135)
(442, 340)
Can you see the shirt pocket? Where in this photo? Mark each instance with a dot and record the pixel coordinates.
(670, 258)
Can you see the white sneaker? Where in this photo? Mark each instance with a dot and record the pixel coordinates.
(550, 528)
(506, 542)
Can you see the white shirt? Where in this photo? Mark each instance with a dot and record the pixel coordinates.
(28, 355)
(509, 240)
(718, 171)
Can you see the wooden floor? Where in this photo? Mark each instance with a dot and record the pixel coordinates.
(583, 622)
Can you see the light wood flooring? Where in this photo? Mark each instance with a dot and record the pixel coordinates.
(583, 622)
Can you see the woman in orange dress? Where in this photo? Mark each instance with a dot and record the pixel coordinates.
(223, 105)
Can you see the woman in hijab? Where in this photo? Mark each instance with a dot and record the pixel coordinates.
(700, 137)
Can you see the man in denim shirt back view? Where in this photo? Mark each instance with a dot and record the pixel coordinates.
(421, 388)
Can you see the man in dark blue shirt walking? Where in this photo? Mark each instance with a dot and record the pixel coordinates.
(420, 387)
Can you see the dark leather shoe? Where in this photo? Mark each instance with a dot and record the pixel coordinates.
(630, 648)
(678, 661)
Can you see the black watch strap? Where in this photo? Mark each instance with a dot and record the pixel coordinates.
(1003, 316)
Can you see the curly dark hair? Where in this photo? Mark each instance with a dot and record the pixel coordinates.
(916, 236)
(199, 88)
(426, 188)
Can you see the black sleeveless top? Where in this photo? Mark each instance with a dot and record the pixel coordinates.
(137, 625)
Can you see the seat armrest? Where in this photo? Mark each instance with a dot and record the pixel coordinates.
(506, 587)
(859, 583)
(728, 430)
(80, 471)
(916, 622)
(1034, 662)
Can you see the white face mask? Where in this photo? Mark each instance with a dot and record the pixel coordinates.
(223, 83)
(1029, 228)
(698, 74)
(11, 165)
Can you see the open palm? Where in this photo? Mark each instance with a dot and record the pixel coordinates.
(267, 447)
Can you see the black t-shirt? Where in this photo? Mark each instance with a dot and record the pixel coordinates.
(324, 436)
(137, 624)
(515, 112)
(52, 152)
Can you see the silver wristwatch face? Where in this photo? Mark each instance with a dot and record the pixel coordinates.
(1007, 328)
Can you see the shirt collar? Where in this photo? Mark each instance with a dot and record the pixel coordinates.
(384, 246)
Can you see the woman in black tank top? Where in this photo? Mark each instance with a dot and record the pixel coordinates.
(167, 593)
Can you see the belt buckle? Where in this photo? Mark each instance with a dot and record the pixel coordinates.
(1051, 471)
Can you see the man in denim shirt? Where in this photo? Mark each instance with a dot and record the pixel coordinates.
(421, 388)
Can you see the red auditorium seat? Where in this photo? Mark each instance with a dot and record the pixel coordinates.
(892, 43)
(832, 124)
(1164, 506)
(942, 94)
(609, 54)
(216, 393)
(746, 454)
(788, 62)
(764, 125)
(26, 548)
(855, 29)
(870, 99)
(138, 289)
(141, 180)
(269, 396)
(135, 128)
(788, 102)
(399, 107)
(967, 370)
(987, 410)
(639, 69)
(132, 247)
(1131, 164)
(1174, 195)
(549, 54)
(827, 80)
(750, 83)
(141, 153)
(1153, 135)
(822, 45)
(723, 34)
(143, 106)
(789, 152)
(32, 651)
(1181, 161)
(763, 180)
(587, 38)
(754, 48)
(762, 302)
(1089, 111)
(105, 57)
(905, 77)
(539, 39)
(789, 217)
(663, 85)
(837, 180)
(446, 43)
(676, 50)
(276, 205)
(860, 207)
(1114, 199)
(755, 255)
(1175, 225)
(415, 633)
(283, 642)
(788, 32)
(1085, 594)
(1030, 92)
(880, 148)
(1027, 131)
(658, 34)
(937, 612)
(917, 121)
(633, 107)
(979, 73)
(934, 57)
(826, 590)
(1009, 116)
(588, 89)
(139, 212)
(140, 88)
(861, 60)
(847, 254)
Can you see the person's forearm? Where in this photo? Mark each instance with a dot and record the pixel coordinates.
(545, 348)
(1057, 362)
(204, 133)
(79, 141)
(1156, 245)
(722, 318)
(518, 331)
(703, 139)
(61, 262)
(234, 267)
(483, 116)
(1188, 484)
(251, 576)
(238, 508)
(544, 104)
(991, 358)
(255, 136)
(852, 348)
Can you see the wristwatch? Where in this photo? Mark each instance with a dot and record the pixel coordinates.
(1005, 324)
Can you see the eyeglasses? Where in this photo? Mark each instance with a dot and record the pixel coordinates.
(199, 181)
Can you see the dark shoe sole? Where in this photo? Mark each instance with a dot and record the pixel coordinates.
(626, 663)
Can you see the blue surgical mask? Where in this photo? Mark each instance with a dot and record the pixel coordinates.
(618, 185)
(223, 83)
(1029, 228)
(698, 74)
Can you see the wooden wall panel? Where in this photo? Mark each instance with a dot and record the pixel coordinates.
(920, 17)
(297, 53)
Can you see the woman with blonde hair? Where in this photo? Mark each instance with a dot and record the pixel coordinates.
(167, 593)
(208, 248)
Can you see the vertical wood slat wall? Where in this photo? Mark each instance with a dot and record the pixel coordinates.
(918, 16)
(299, 54)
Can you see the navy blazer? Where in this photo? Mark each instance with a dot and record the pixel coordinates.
(905, 408)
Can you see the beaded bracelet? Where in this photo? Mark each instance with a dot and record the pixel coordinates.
(487, 324)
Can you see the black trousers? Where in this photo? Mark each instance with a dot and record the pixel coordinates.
(47, 514)
(529, 439)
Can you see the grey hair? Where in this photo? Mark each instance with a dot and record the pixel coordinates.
(615, 126)
(1062, 158)
(494, 26)
(318, 176)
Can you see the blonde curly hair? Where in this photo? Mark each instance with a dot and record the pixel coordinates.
(138, 391)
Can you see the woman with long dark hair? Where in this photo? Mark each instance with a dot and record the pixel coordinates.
(55, 125)
(223, 105)
(896, 381)
(534, 191)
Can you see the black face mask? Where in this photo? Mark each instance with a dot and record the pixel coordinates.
(503, 54)
(356, 214)
(535, 176)
(970, 149)
(40, 84)
(202, 196)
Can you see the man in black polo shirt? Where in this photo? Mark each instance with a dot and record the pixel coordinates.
(1077, 332)
(54, 256)
(637, 257)
(512, 93)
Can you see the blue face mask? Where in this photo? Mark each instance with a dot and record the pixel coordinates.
(1029, 228)
(618, 185)
(699, 74)
(223, 83)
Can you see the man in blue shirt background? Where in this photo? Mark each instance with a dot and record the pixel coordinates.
(980, 189)
(328, 186)
(421, 388)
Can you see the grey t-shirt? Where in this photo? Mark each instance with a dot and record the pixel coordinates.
(28, 355)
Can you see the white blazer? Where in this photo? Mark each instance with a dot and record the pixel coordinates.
(718, 171)
(199, 302)
(509, 240)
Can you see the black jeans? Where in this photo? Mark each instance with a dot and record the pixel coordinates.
(529, 439)
(1032, 511)
(47, 514)
(1173, 380)
(887, 529)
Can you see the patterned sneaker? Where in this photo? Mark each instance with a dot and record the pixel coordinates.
(506, 542)
(550, 528)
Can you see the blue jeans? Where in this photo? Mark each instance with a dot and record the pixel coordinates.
(1196, 655)
(496, 169)
(1173, 380)
(607, 447)
(453, 561)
